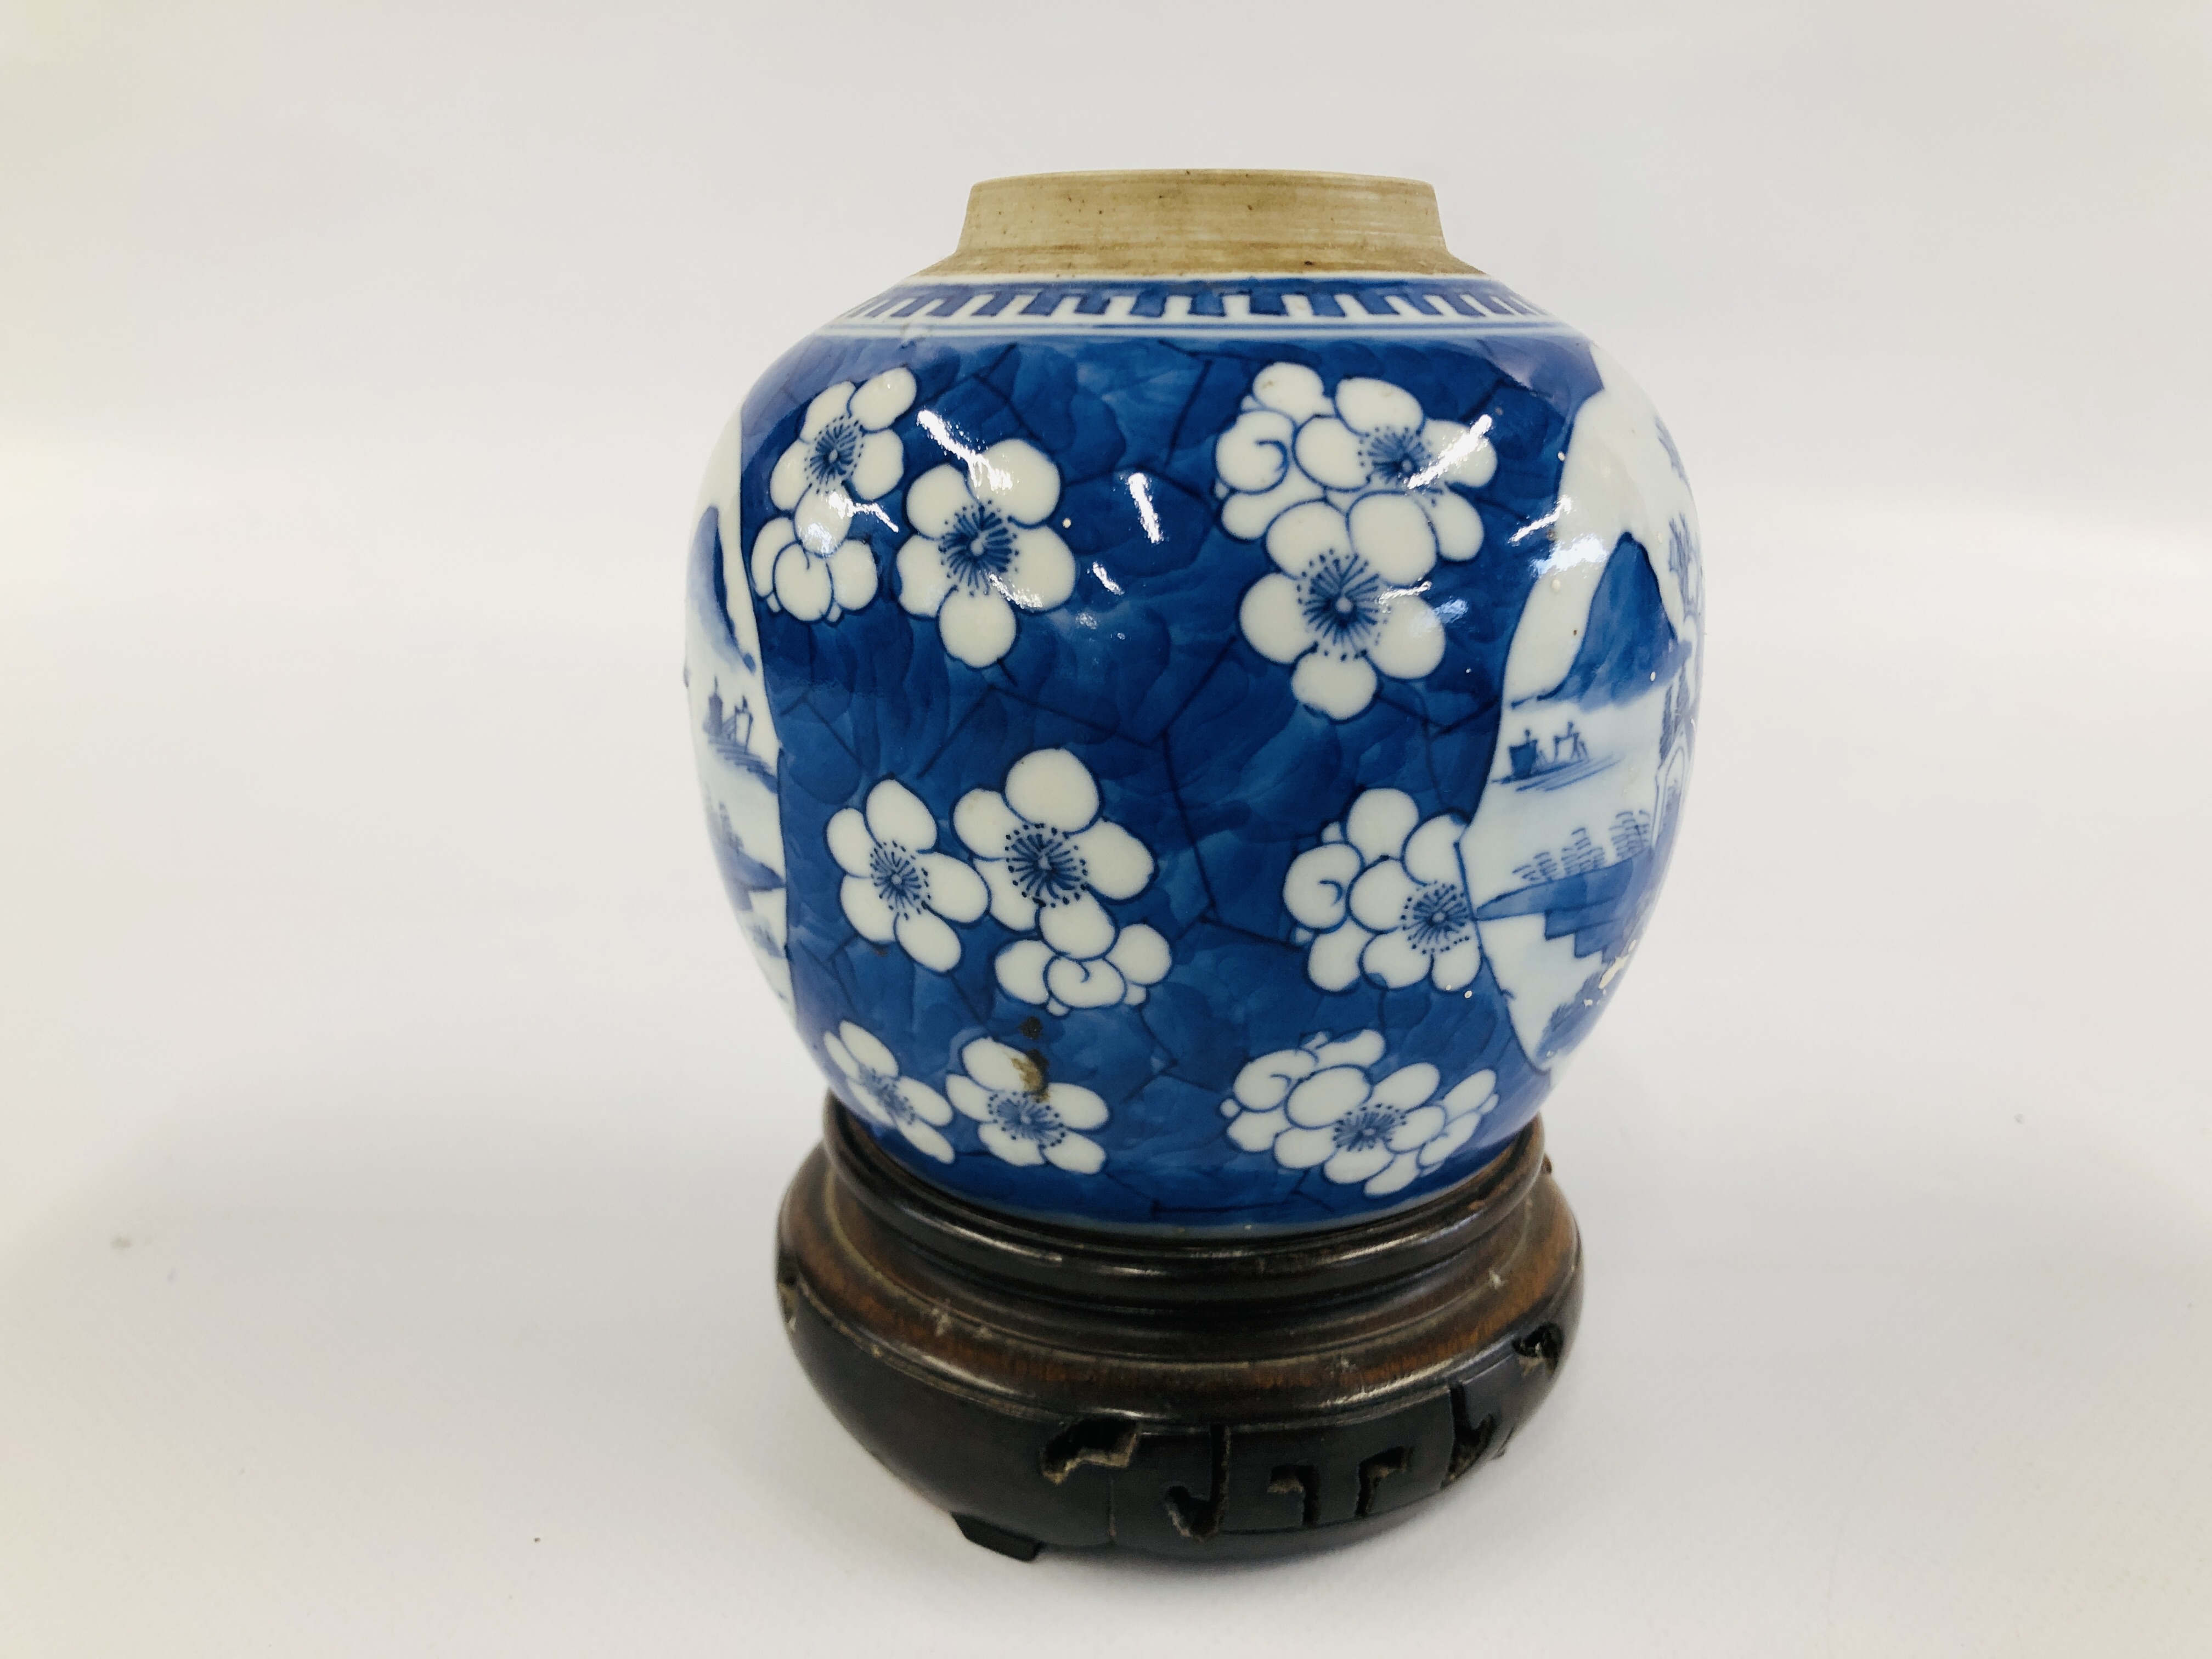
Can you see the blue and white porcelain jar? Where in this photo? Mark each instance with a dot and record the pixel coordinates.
(1194, 698)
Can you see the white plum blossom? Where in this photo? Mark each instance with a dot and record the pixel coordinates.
(896, 886)
(1026, 1118)
(1046, 854)
(1293, 442)
(1049, 859)
(876, 1090)
(845, 458)
(1029, 971)
(1385, 895)
(1313, 1105)
(980, 545)
(1344, 602)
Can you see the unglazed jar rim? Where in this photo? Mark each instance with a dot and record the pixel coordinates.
(1199, 222)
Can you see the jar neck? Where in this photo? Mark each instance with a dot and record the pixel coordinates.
(1193, 222)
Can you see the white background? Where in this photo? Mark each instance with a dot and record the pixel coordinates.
(391, 1121)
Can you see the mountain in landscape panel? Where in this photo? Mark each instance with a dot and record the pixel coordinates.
(1630, 646)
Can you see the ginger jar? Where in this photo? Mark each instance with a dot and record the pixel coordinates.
(1193, 696)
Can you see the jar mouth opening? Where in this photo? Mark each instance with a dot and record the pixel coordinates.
(1199, 222)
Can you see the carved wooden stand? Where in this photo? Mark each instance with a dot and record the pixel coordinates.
(1198, 1400)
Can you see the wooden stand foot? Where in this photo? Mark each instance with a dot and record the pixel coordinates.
(1199, 1398)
